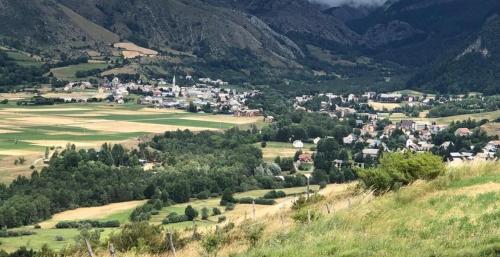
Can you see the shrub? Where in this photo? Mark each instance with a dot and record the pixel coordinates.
(246, 200)
(301, 216)
(90, 223)
(227, 198)
(37, 226)
(190, 212)
(59, 238)
(221, 219)
(274, 194)
(230, 207)
(399, 169)
(303, 201)
(17, 233)
(262, 201)
(174, 218)
(216, 211)
(204, 213)
(203, 195)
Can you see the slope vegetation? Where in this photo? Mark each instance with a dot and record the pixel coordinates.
(457, 214)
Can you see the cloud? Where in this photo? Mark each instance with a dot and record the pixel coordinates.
(351, 2)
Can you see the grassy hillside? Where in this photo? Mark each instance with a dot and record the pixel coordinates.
(457, 214)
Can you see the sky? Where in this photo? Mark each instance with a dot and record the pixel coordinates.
(352, 2)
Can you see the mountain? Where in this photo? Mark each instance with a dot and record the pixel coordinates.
(405, 43)
(414, 32)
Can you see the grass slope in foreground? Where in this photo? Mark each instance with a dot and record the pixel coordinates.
(458, 214)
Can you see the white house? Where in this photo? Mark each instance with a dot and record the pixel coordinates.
(298, 144)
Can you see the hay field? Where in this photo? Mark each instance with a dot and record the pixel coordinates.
(27, 130)
(381, 106)
(131, 50)
(69, 72)
(92, 213)
(275, 149)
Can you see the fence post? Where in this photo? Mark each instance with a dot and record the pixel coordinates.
(171, 242)
(327, 208)
(307, 188)
(111, 250)
(89, 248)
(309, 216)
(253, 209)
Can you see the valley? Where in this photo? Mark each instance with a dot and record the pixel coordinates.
(258, 128)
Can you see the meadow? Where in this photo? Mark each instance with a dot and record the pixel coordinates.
(48, 234)
(26, 131)
(69, 72)
(275, 149)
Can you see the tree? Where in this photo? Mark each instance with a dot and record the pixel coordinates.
(399, 169)
(190, 212)
(227, 197)
(192, 107)
(204, 213)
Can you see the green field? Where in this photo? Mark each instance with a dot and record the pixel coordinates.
(28, 130)
(395, 117)
(68, 72)
(48, 235)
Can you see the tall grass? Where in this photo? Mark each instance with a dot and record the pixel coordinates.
(457, 214)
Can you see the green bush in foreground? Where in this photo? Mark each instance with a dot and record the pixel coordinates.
(399, 169)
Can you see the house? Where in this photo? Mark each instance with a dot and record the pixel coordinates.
(463, 132)
(446, 145)
(349, 139)
(298, 144)
(368, 152)
(368, 129)
(305, 158)
(247, 113)
(407, 125)
(269, 119)
(492, 146)
(389, 129)
(390, 98)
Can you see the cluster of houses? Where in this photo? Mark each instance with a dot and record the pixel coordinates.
(207, 92)
(418, 139)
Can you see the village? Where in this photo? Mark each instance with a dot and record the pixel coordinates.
(204, 96)
(371, 127)
(373, 130)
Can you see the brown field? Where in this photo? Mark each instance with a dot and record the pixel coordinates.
(17, 153)
(225, 118)
(17, 110)
(131, 50)
(62, 143)
(4, 131)
(271, 152)
(129, 127)
(91, 212)
(11, 171)
(492, 128)
(380, 106)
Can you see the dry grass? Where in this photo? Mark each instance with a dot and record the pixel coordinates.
(131, 50)
(91, 212)
(381, 106)
(130, 127)
(79, 144)
(492, 128)
(225, 119)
